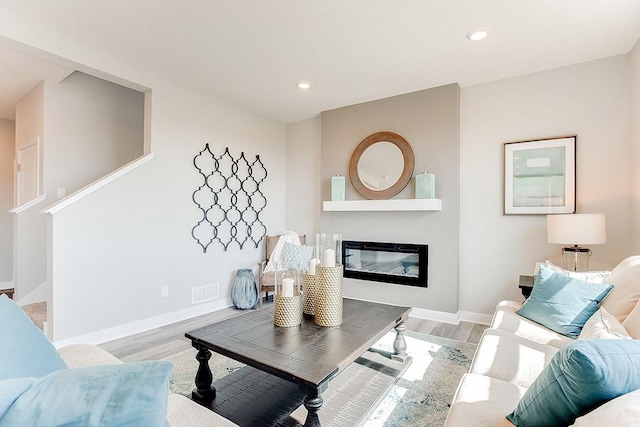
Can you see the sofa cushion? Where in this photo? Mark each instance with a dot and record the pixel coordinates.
(482, 401)
(510, 358)
(131, 394)
(562, 303)
(506, 319)
(85, 355)
(603, 325)
(580, 377)
(632, 322)
(24, 350)
(182, 411)
(587, 276)
(625, 278)
(623, 411)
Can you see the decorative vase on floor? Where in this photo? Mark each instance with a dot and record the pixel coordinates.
(244, 293)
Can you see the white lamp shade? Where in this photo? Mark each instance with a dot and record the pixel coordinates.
(577, 229)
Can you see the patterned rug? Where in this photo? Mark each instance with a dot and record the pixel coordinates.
(420, 397)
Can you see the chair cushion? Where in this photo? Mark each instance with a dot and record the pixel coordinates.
(271, 242)
(130, 394)
(580, 377)
(562, 303)
(297, 257)
(24, 350)
(624, 296)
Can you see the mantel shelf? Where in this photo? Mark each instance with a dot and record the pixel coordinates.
(383, 205)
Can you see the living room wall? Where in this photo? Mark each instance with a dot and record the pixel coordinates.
(635, 149)
(429, 121)
(7, 154)
(590, 100)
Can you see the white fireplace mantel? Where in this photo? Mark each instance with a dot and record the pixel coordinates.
(383, 205)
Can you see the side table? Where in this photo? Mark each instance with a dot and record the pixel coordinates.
(526, 285)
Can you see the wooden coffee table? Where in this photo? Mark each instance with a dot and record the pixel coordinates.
(308, 355)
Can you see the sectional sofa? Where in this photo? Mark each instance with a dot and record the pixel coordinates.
(537, 376)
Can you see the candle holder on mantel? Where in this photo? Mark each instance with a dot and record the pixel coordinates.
(287, 302)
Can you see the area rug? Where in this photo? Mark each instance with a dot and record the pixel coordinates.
(421, 396)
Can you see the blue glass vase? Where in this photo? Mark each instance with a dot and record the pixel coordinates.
(244, 293)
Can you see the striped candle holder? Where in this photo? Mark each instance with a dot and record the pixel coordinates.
(328, 308)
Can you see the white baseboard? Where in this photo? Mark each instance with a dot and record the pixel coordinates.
(110, 334)
(452, 318)
(6, 285)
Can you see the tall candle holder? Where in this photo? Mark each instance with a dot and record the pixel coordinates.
(328, 307)
(309, 293)
(287, 305)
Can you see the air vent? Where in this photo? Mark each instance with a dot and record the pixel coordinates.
(205, 293)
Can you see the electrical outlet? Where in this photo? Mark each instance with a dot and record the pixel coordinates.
(164, 291)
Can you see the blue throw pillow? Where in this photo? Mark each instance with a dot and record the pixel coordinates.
(24, 350)
(562, 303)
(296, 257)
(131, 394)
(580, 377)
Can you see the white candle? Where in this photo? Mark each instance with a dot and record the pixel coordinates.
(329, 258)
(287, 287)
(312, 266)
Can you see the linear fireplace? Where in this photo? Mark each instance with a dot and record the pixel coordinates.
(400, 263)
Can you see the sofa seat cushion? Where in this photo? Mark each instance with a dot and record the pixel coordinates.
(625, 278)
(24, 350)
(506, 319)
(482, 401)
(183, 412)
(510, 358)
(85, 355)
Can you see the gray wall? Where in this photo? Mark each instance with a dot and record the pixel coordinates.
(7, 156)
(635, 148)
(429, 121)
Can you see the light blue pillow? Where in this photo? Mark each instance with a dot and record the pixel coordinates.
(131, 394)
(296, 257)
(580, 377)
(24, 350)
(562, 303)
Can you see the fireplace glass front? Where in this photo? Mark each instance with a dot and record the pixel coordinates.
(403, 264)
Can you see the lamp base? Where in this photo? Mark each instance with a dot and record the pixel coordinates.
(576, 258)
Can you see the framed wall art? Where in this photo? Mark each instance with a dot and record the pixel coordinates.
(540, 176)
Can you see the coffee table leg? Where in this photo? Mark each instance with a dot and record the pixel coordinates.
(313, 403)
(400, 345)
(204, 391)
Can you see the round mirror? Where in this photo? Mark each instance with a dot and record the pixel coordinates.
(381, 165)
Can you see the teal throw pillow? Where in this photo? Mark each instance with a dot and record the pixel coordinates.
(580, 377)
(562, 303)
(296, 257)
(131, 394)
(24, 350)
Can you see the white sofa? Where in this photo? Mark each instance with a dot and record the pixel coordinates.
(513, 351)
(181, 411)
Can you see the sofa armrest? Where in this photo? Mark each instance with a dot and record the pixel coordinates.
(85, 355)
(182, 411)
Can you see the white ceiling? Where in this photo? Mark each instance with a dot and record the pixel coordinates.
(253, 52)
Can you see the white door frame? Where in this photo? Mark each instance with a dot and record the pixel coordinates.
(19, 171)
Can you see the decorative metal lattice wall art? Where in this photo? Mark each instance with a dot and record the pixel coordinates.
(229, 199)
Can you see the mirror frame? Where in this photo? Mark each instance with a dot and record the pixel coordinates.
(407, 171)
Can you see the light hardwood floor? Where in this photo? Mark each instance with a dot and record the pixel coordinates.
(165, 341)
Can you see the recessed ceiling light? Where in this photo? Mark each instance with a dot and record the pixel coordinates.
(477, 34)
(304, 85)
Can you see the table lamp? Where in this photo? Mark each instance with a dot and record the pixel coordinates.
(576, 230)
